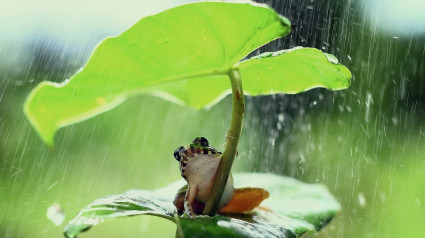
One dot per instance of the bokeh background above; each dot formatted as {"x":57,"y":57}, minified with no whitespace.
{"x":366,"y":144}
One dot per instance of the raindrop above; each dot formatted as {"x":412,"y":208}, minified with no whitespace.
{"x":348,"y":108}
{"x":395,"y":120}
{"x":368,"y":103}
{"x":362,"y":199}
{"x":280,"y":117}
{"x":18,"y":82}
{"x":382,"y":196}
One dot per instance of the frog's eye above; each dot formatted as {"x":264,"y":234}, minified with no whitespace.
{"x":177,"y":152}
{"x":202,"y":141}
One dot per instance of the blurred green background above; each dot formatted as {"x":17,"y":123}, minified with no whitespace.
{"x":367,"y":143}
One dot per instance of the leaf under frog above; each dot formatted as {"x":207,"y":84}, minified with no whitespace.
{"x":130,"y":203}
{"x":292,"y":209}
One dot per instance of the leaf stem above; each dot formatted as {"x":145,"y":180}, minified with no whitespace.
{"x":232,"y":140}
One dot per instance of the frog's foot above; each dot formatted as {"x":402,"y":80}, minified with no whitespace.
{"x":189,"y":199}
{"x":197,"y":206}
{"x":245,"y":199}
{"x":188,"y":209}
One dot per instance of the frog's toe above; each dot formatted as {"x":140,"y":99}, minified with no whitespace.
{"x":245,"y":199}
{"x":194,"y":209}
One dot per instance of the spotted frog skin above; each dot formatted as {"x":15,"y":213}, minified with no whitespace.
{"x":198,"y":165}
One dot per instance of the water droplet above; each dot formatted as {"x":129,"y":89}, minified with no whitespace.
{"x":281,"y":117}
{"x":362,"y":199}
{"x":56,"y":214}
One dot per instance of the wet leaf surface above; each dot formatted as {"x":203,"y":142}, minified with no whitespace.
{"x":292,"y":209}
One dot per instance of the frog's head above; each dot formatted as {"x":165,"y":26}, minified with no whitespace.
{"x":197,"y":159}
{"x":198,"y":144}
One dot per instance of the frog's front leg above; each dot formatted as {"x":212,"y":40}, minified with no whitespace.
{"x":189,"y":199}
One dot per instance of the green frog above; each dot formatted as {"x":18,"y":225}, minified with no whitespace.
{"x":198,"y":165}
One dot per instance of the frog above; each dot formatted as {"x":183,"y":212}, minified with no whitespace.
{"x":198,"y":164}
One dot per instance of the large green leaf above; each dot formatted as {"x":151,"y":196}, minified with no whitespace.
{"x":293,"y":71}
{"x":293,"y":209}
{"x":286,"y":71}
{"x":189,"y":41}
